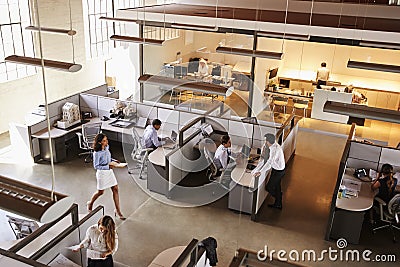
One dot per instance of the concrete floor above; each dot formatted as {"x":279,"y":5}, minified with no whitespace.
{"x":153,"y":226}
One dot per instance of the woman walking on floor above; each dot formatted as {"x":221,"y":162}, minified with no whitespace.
{"x":104,"y":173}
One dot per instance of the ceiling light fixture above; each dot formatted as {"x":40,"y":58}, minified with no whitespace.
{"x":138,"y":40}
{"x":51,"y":30}
{"x":200,"y":87}
{"x":37,"y":62}
{"x":290,"y":36}
{"x":120,"y":19}
{"x":373,"y":66}
{"x":194,"y":27}
{"x":249,"y":52}
{"x":362,"y":111}
{"x":32,"y":202}
{"x":380,"y":45}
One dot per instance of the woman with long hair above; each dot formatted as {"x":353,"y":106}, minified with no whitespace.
{"x":385,"y":183}
{"x":104,"y":173}
{"x":102,"y":242}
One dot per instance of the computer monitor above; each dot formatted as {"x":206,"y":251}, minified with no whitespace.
{"x":174,"y":136}
{"x":207,"y":130}
{"x":180,"y":71}
{"x":193,"y":66}
{"x":273,"y":73}
{"x":246,"y":150}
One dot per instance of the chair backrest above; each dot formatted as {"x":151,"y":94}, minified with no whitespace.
{"x":89,"y":132}
{"x":210,"y":160}
{"x":300,"y":101}
{"x":394,"y":205}
{"x":280,"y":98}
{"x":137,"y":145}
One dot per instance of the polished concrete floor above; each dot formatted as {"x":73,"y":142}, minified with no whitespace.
{"x":153,"y":225}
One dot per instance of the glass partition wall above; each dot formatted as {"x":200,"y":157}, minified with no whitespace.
{"x":192,"y":57}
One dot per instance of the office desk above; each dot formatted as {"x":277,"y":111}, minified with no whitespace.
{"x":61,"y":137}
{"x":157,"y":180}
{"x":349,"y":213}
{"x":244,"y":196}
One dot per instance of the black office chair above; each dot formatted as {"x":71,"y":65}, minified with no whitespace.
{"x":86,"y":138}
{"x":22,"y":227}
{"x":389,"y":214}
{"x":217,"y":175}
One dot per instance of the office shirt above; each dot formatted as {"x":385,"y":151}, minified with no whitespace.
{"x":150,"y":137}
{"x":94,"y":240}
{"x":102,"y":159}
{"x":276,"y":160}
{"x":221,"y":157}
{"x":323,"y":74}
{"x":203,"y":70}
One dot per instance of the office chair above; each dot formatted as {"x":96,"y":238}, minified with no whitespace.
{"x":219,"y":176}
{"x":22,"y":227}
{"x":139,"y":153}
{"x":390,"y":216}
{"x":279,"y":101}
{"x":86,"y":138}
{"x":300,"y":104}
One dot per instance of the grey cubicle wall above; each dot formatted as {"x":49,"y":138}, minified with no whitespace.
{"x":70,"y":238}
{"x":371,"y":156}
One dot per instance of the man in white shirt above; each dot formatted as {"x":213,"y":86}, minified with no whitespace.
{"x":203,"y":67}
{"x":221,"y":157}
{"x":322,"y":74}
{"x":150,"y":137}
{"x":275,"y":161}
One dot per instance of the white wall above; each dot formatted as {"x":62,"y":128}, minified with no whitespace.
{"x":20,"y":96}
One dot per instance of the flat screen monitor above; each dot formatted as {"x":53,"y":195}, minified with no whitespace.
{"x":207,"y":130}
{"x":246,"y":150}
{"x":273,"y":73}
{"x":193,"y":66}
{"x":180,"y":71}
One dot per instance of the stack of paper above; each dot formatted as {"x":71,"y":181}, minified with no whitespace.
{"x":352,"y":184}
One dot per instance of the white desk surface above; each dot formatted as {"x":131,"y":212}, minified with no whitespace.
{"x":55,"y":132}
{"x":363,"y":202}
{"x":157,"y":157}
{"x":242,"y":176}
{"x":168,"y":256}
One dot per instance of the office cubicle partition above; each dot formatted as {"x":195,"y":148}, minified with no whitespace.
{"x":51,"y":239}
{"x":342,"y":167}
{"x":358,"y":154}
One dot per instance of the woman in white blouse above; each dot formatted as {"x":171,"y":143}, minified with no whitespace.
{"x":101,"y":242}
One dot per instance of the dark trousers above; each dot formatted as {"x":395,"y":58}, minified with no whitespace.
{"x":107,"y":262}
{"x":274,"y":185}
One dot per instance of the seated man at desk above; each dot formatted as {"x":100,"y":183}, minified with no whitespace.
{"x":221,"y":157}
{"x":203,"y":67}
{"x":150,"y":137}
{"x":276,"y":161}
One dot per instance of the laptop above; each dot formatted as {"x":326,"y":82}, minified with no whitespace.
{"x":170,"y":141}
{"x":246,"y":150}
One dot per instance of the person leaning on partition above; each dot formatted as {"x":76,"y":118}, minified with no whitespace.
{"x":150,"y":137}
{"x":101,"y":240}
{"x":276,"y":161}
